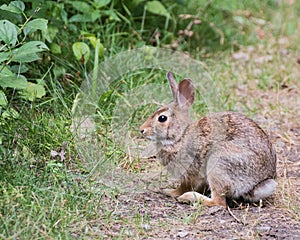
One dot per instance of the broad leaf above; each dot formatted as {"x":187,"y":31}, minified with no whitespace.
{"x":92,"y":39}
{"x":14,"y":7}
{"x":28,"y":52}
{"x":8,"y":32}
{"x":81,"y":18}
{"x":95,"y":15}
{"x":25,"y":58}
{"x":35,"y":24}
{"x":3,"y":99}
{"x":101,"y":3}
{"x":157,"y":8}
{"x":20,"y":68}
{"x":81,"y":6}
{"x":112,"y":15}
{"x":13,"y":81}
{"x":33,"y":91}
{"x":50,"y":33}
{"x":95,"y":41}
{"x":4,"y":56}
{"x":81,"y":51}
{"x":5,"y":71}
{"x":55,"y":48}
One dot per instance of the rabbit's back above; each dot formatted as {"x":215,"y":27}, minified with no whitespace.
{"x":240,"y":153}
{"x":235,"y":129}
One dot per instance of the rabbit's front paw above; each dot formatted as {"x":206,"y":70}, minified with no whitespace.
{"x":190,"y":197}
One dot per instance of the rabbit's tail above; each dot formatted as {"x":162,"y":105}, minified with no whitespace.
{"x":261,"y":191}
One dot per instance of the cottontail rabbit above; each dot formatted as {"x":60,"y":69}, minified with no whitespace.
{"x":225,"y":152}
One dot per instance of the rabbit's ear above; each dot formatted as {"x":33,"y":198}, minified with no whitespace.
{"x":186,"y":93}
{"x":173,"y":85}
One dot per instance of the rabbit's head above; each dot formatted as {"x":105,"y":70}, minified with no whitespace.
{"x":168,"y":123}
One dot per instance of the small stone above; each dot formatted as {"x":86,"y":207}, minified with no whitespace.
{"x":146,"y":226}
{"x":263,"y":229}
{"x":128,"y":232}
{"x":241,"y":56}
{"x":182,"y":233}
{"x":263,"y":59}
{"x":283,"y":41}
{"x":250,"y":49}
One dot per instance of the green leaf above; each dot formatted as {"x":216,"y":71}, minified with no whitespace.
{"x":14,"y":7}
{"x":157,"y":8}
{"x":136,"y":2}
{"x":81,"y":18}
{"x":8,"y":32}
{"x":101,"y":3}
{"x":101,"y":50}
{"x":50,"y":33}
{"x":86,"y":34}
{"x":25,"y":58}
{"x":33,"y":91}
{"x":81,"y":6}
{"x":9,"y":114}
{"x":4,"y":56}
{"x":27,"y":52}
{"x":3,"y":99}
{"x":92,"y":39}
{"x":5,"y":71}
{"x":55,"y":48}
{"x":35,"y":24}
{"x":13,"y":81}
{"x":20,"y":68}
{"x":81,"y":51}
{"x":95,"y":15}
{"x":95,"y":41}
{"x":112,"y":15}
{"x":92,"y":16}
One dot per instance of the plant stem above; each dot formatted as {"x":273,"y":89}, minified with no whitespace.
{"x":95,"y":69}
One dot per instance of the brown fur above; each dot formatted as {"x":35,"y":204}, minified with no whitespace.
{"x":226,"y":151}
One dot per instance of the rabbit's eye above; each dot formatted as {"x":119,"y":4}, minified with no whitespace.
{"x":162,"y":118}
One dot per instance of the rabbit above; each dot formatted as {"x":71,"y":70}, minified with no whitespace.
{"x":225,"y":152}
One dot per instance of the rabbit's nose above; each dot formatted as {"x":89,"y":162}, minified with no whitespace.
{"x":143,"y":130}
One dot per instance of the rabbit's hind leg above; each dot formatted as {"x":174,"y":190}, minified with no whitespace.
{"x":171,"y":192}
{"x":182,"y":188}
{"x":188,"y":184}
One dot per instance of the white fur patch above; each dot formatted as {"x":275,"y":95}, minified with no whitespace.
{"x":265,"y":190}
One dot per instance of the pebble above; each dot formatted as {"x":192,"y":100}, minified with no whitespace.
{"x":263,"y":229}
{"x":146,"y":226}
{"x":182,"y":233}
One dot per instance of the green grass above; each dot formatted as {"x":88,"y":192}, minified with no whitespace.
{"x":46,"y":206}
{"x":44,"y":197}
